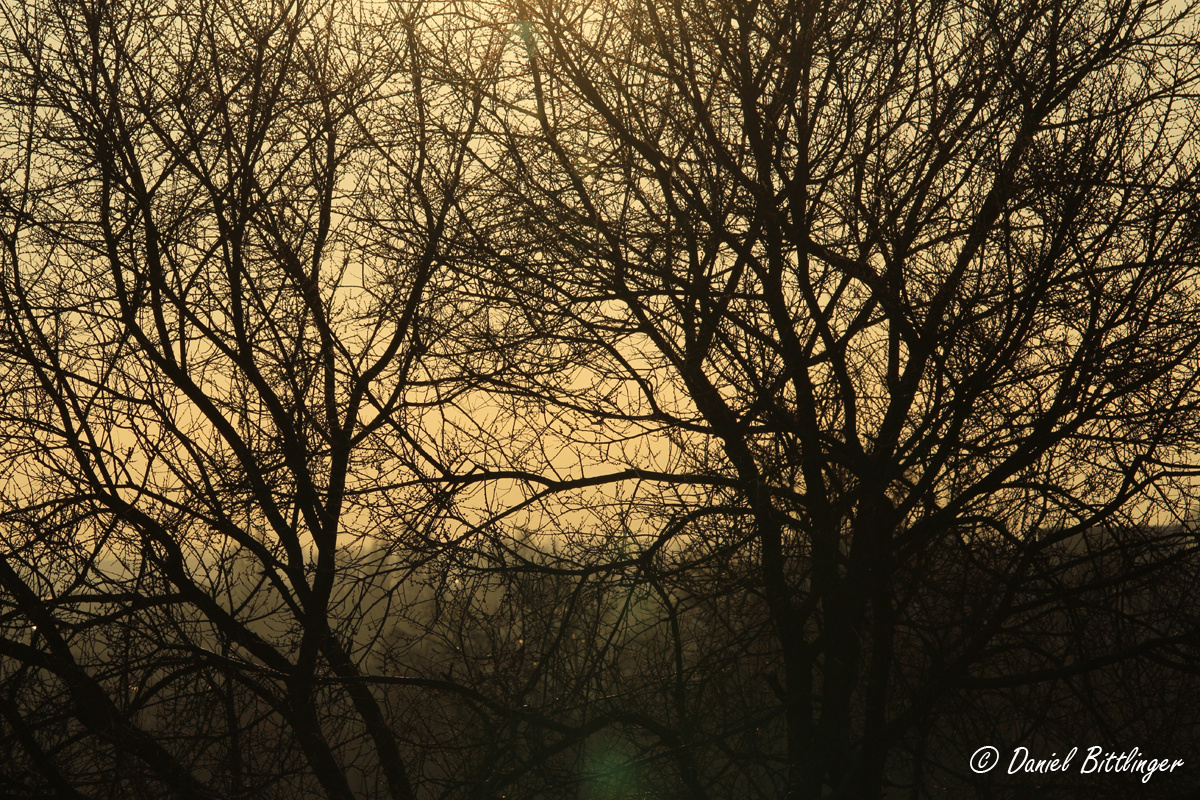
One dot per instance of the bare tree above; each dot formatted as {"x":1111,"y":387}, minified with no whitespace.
{"x":222,"y":225}
{"x":901,"y":304}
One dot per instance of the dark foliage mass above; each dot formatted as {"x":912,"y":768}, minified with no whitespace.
{"x":605,"y":400}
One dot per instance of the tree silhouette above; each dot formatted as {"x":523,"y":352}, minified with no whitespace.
{"x":221,"y":224}
{"x":910,"y":293}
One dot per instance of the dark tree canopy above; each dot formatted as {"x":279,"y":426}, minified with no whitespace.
{"x":611,"y":400}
